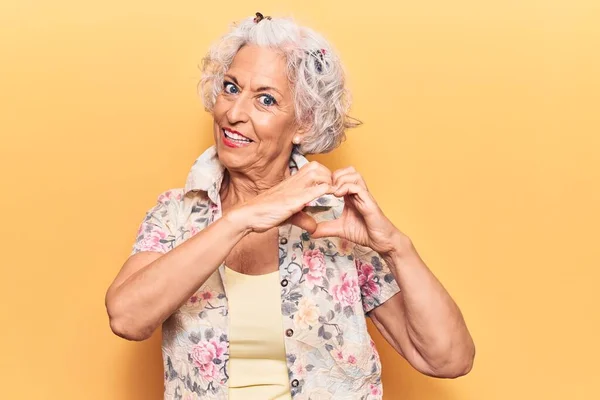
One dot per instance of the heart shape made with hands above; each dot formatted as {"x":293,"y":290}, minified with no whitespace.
{"x":361,"y":222}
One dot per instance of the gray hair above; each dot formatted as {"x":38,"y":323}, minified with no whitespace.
{"x":321,"y":98}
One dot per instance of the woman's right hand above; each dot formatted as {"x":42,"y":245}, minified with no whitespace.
{"x":285,"y":201}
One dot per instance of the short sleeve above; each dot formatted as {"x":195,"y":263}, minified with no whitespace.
{"x":376,"y":281}
{"x":157,"y":232}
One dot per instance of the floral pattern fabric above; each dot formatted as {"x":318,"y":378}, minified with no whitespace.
{"x":328,"y":286}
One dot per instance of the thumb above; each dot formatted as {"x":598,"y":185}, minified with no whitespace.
{"x":328,"y":228}
{"x":304,"y":221}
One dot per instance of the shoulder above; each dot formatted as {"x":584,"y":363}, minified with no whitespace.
{"x":178,"y":198}
{"x":167,"y":206}
{"x":170,"y":199}
{"x":171,"y":196}
{"x":157,"y":232}
{"x":185,"y":208}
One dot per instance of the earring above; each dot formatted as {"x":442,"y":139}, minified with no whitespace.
{"x":296,"y":140}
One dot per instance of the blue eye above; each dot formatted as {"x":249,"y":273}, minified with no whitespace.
{"x":230,"y":88}
{"x":267,"y":100}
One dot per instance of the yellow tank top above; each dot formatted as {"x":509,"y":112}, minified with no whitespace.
{"x":257,"y":365}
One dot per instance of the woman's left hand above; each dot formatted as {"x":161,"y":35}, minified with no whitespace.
{"x":362,"y":221}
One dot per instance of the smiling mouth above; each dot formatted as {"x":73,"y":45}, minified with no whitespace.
{"x":236,"y":137}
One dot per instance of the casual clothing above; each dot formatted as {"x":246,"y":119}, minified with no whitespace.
{"x":326,"y":285}
{"x":257,"y":363}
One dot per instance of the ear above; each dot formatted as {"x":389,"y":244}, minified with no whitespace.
{"x":302,"y":132}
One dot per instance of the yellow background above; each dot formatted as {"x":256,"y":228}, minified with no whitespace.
{"x":481,"y":142}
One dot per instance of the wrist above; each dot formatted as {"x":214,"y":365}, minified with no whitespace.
{"x":238,"y":218}
{"x":401,"y":246}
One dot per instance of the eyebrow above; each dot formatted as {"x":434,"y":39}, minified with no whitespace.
{"x":260,"y":89}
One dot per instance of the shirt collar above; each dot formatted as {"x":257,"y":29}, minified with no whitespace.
{"x":207,"y":175}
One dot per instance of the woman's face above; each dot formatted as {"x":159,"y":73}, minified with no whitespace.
{"x":254,"y":119}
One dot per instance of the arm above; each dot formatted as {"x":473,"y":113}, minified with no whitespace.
{"x":422,"y":322}
{"x":152,"y":285}
{"x":413,"y":311}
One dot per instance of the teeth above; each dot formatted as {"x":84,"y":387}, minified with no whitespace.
{"x":236,"y":137}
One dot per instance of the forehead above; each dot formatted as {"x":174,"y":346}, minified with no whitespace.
{"x":259,"y":66}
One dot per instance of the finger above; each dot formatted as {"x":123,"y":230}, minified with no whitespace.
{"x":315,"y":173}
{"x":314,"y":192}
{"x":321,"y":177}
{"x":342,"y":171}
{"x":360,"y":198}
{"x":314,"y":165}
{"x":328,"y":228}
{"x":304,"y":221}
{"x":353,"y":177}
{"x":349,"y":188}
{"x":315,"y":177}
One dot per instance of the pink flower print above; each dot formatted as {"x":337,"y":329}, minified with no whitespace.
{"x":338,"y":354}
{"x":169,"y":195}
{"x":299,"y":369}
{"x":199,"y":299}
{"x":208,"y":295}
{"x":315,"y":261}
{"x":203,"y":355}
{"x":366,"y":281}
{"x":164,"y":196}
{"x":348,"y":292}
{"x":194,"y":300}
{"x":351,"y":359}
{"x":375,"y":390}
{"x":151,"y":240}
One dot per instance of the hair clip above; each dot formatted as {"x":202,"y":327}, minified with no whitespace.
{"x":259,"y":17}
{"x":319,"y":59}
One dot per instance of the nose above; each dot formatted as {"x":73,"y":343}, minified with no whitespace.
{"x":237,"y":111}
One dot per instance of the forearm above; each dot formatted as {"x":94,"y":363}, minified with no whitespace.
{"x":141,"y":303}
{"x":433,"y":321}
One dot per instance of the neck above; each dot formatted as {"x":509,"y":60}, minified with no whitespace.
{"x":238,"y":187}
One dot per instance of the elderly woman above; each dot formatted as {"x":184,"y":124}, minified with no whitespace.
{"x":262,"y":269}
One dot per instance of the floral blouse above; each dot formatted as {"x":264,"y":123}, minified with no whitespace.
{"x":328,"y":285}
